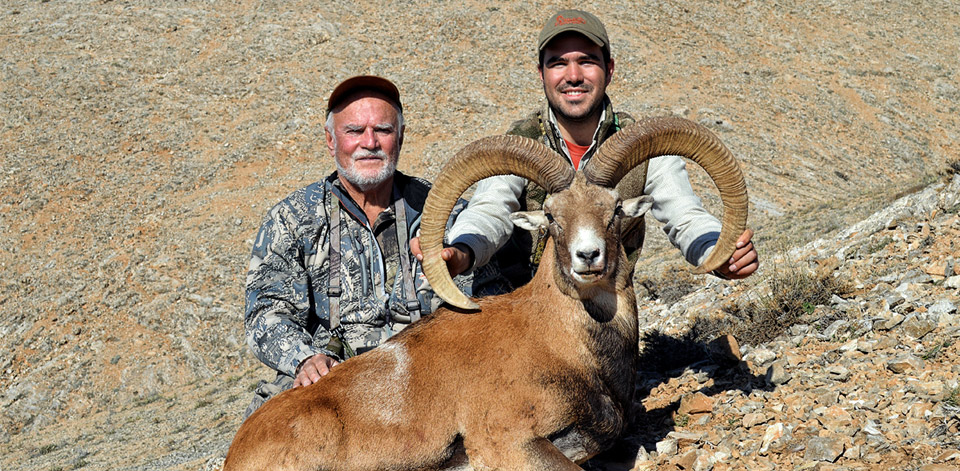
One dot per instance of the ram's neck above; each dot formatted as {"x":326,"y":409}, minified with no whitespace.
{"x":611,"y":303}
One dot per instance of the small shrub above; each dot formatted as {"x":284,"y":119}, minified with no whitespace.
{"x":875,"y":247}
{"x":953,"y":167}
{"x":46,"y":449}
{"x":935,"y":350}
{"x":952,"y":397}
{"x":203,"y":403}
{"x":142,"y":401}
{"x":669,"y":287}
{"x":794,"y":294}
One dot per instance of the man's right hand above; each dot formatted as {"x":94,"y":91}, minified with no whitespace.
{"x":313,"y":368}
{"x":458,"y":256}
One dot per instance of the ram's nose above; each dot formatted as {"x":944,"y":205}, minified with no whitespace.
{"x":589,"y":256}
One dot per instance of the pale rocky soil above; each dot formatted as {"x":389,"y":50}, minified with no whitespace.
{"x":142,"y":142}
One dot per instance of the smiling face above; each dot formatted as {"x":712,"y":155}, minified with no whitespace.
{"x":575,"y":77}
{"x":364,"y":136}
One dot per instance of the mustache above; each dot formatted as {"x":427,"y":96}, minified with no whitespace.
{"x":365,"y":153}
{"x":579,"y":86}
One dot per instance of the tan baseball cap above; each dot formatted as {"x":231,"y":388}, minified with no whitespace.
{"x":363,"y":82}
{"x":576,"y":21}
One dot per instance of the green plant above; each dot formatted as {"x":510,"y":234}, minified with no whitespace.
{"x":147,"y":400}
{"x":874,"y":247}
{"x":935,"y":350}
{"x":952,"y":397}
{"x":46,"y":449}
{"x":682,"y":420}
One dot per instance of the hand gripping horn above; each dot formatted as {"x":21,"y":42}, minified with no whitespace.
{"x":654,"y":137}
{"x":486,"y":157}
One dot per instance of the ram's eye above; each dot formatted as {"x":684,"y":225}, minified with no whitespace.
{"x":549,"y":218}
{"x":617,"y":213}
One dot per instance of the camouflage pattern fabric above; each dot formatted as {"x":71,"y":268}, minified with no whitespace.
{"x":286,"y":317}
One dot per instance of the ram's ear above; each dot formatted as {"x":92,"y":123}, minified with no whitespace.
{"x":636,"y":207}
{"x":529,"y":220}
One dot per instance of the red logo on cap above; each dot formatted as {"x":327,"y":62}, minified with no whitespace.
{"x":566,"y":21}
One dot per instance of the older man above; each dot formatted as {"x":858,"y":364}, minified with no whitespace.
{"x":331,"y":273}
{"x":575,"y":67}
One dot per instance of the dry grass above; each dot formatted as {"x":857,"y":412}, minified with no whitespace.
{"x":674,"y":282}
{"x":794,"y":293}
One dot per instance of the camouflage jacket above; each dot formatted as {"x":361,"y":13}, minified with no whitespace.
{"x":287,"y":306}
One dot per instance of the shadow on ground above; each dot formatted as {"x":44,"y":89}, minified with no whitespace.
{"x":664,"y":358}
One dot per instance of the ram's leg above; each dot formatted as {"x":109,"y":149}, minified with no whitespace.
{"x":543,"y":455}
{"x":537,"y":454}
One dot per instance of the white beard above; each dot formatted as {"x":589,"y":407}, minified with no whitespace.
{"x":367,"y":182}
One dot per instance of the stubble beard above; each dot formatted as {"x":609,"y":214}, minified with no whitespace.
{"x":558,"y":107}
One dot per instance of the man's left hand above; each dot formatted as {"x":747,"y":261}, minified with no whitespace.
{"x":744,"y":261}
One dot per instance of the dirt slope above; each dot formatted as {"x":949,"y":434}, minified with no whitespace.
{"x":142,"y":142}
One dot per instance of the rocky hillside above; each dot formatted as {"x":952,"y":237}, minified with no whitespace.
{"x":142,"y":142}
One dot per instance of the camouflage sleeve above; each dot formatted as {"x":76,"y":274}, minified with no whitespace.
{"x":277,"y":313}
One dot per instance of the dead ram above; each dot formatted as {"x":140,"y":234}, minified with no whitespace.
{"x":538,"y":379}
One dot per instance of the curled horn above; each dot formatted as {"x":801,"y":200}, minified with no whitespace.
{"x":654,"y":137}
{"x":496,"y":155}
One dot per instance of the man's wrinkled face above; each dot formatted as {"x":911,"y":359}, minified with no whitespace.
{"x":574,"y":76}
{"x":365,"y":139}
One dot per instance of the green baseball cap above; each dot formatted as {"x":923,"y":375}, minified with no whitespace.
{"x":363,"y":82}
{"x":576,"y":21}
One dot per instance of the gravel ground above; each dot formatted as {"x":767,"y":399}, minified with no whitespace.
{"x":142,"y":142}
